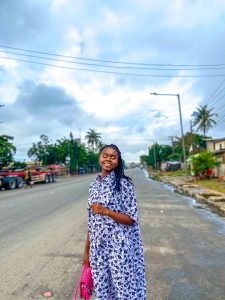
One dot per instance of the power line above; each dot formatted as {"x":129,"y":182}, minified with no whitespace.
{"x":221,"y":117}
{"x":113,"y":72}
{"x":111,"y":61}
{"x":220,"y":109}
{"x":221,"y":123}
{"x":117,"y":67}
{"x":214,"y":96}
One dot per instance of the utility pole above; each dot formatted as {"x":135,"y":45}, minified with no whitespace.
{"x":172,"y":142}
{"x":154,"y":146}
{"x":192,"y":147}
{"x":181,"y":127}
{"x":182,"y":136}
{"x":1,"y":105}
{"x":68,"y":159}
{"x":80,"y":135}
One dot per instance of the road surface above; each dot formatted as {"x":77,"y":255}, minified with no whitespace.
{"x":42,"y":233}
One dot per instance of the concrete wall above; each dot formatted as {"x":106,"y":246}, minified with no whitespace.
{"x":219,"y":145}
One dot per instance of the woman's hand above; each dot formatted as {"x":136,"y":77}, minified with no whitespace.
{"x":99,"y":209}
{"x":118,"y":217}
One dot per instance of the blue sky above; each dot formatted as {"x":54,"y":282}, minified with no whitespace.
{"x":147,"y":35}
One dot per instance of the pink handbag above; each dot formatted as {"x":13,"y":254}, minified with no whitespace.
{"x":85,"y":284}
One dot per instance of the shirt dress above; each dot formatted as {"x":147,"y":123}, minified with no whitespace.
{"x":116,"y":253}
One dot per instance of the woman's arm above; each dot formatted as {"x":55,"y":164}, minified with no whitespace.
{"x":118,"y":217}
{"x":86,"y":250}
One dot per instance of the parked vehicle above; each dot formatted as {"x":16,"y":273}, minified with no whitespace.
{"x":173,"y":165}
{"x":10,"y":180}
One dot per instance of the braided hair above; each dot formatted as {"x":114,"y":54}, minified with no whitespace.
{"x":119,"y":170}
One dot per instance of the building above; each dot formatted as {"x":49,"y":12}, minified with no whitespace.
{"x":217,"y":146}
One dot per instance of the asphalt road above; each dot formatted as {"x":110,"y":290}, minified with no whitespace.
{"x":42,"y":233}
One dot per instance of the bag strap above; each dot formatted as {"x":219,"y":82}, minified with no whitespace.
{"x":76,"y":290}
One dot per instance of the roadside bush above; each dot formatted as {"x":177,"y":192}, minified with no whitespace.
{"x":202,"y":162}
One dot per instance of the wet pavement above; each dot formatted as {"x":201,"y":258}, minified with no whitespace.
{"x":213,"y":199}
{"x":184,"y":245}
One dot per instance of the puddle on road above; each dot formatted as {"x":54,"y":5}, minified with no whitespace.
{"x":147,"y":175}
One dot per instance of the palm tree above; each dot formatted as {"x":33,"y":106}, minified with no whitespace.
{"x":93,"y":138}
{"x":203,"y":118}
{"x":100,"y":145}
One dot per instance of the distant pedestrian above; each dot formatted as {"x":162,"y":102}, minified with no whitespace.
{"x":28,"y":178}
{"x":113,"y":247}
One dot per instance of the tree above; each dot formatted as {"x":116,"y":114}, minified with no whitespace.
{"x":7,"y":150}
{"x":92,"y":161}
{"x":100,"y":145}
{"x":93,"y":138}
{"x":74,"y":152}
{"x":157,"y":154}
{"x":164,"y":152}
{"x":19,"y":165}
{"x":193,"y":143}
{"x":53,"y":153}
{"x":203,"y":118}
{"x":144,"y":160}
{"x":43,"y":151}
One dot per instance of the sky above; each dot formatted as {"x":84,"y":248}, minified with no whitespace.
{"x":70,"y":66}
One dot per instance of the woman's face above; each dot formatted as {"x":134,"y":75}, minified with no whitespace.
{"x":108,"y":160}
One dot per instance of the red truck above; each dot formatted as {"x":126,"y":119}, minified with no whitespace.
{"x":10,"y":180}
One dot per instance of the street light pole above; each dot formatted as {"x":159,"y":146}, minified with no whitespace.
{"x":155,"y":156}
{"x":1,"y":105}
{"x":181,"y":128}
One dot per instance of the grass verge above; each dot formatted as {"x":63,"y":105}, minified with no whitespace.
{"x":212,"y":184}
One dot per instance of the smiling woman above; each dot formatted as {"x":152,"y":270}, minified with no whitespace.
{"x":108,"y":160}
{"x":113,"y":247}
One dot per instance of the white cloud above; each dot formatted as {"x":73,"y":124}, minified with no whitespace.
{"x":8,"y":64}
{"x":58,"y":5}
{"x":118,"y":106}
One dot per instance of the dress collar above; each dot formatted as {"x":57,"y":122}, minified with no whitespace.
{"x":108,"y":178}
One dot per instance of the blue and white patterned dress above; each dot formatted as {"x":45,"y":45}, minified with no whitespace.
{"x":116,"y":253}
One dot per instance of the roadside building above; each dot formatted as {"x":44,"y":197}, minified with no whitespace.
{"x":217,"y":146}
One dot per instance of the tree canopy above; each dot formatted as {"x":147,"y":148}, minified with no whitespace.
{"x":93,"y":138}
{"x":69,"y":151}
{"x":7,"y":150}
{"x":156,"y":155}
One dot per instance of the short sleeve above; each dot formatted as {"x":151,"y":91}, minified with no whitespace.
{"x":129,"y":200}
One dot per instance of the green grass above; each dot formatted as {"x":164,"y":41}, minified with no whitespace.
{"x":212,"y":184}
{"x":174,"y":173}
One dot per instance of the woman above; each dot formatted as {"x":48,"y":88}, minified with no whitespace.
{"x":113,"y":242}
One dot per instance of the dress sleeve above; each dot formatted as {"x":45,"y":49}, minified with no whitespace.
{"x":129,"y":200}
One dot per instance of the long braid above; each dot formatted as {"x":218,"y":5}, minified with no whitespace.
{"x":119,"y":170}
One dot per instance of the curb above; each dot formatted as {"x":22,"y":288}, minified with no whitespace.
{"x":215,"y":200}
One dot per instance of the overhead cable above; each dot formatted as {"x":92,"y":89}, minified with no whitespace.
{"x":114,"y":72}
{"x":112,"y":66}
{"x":113,"y":61}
